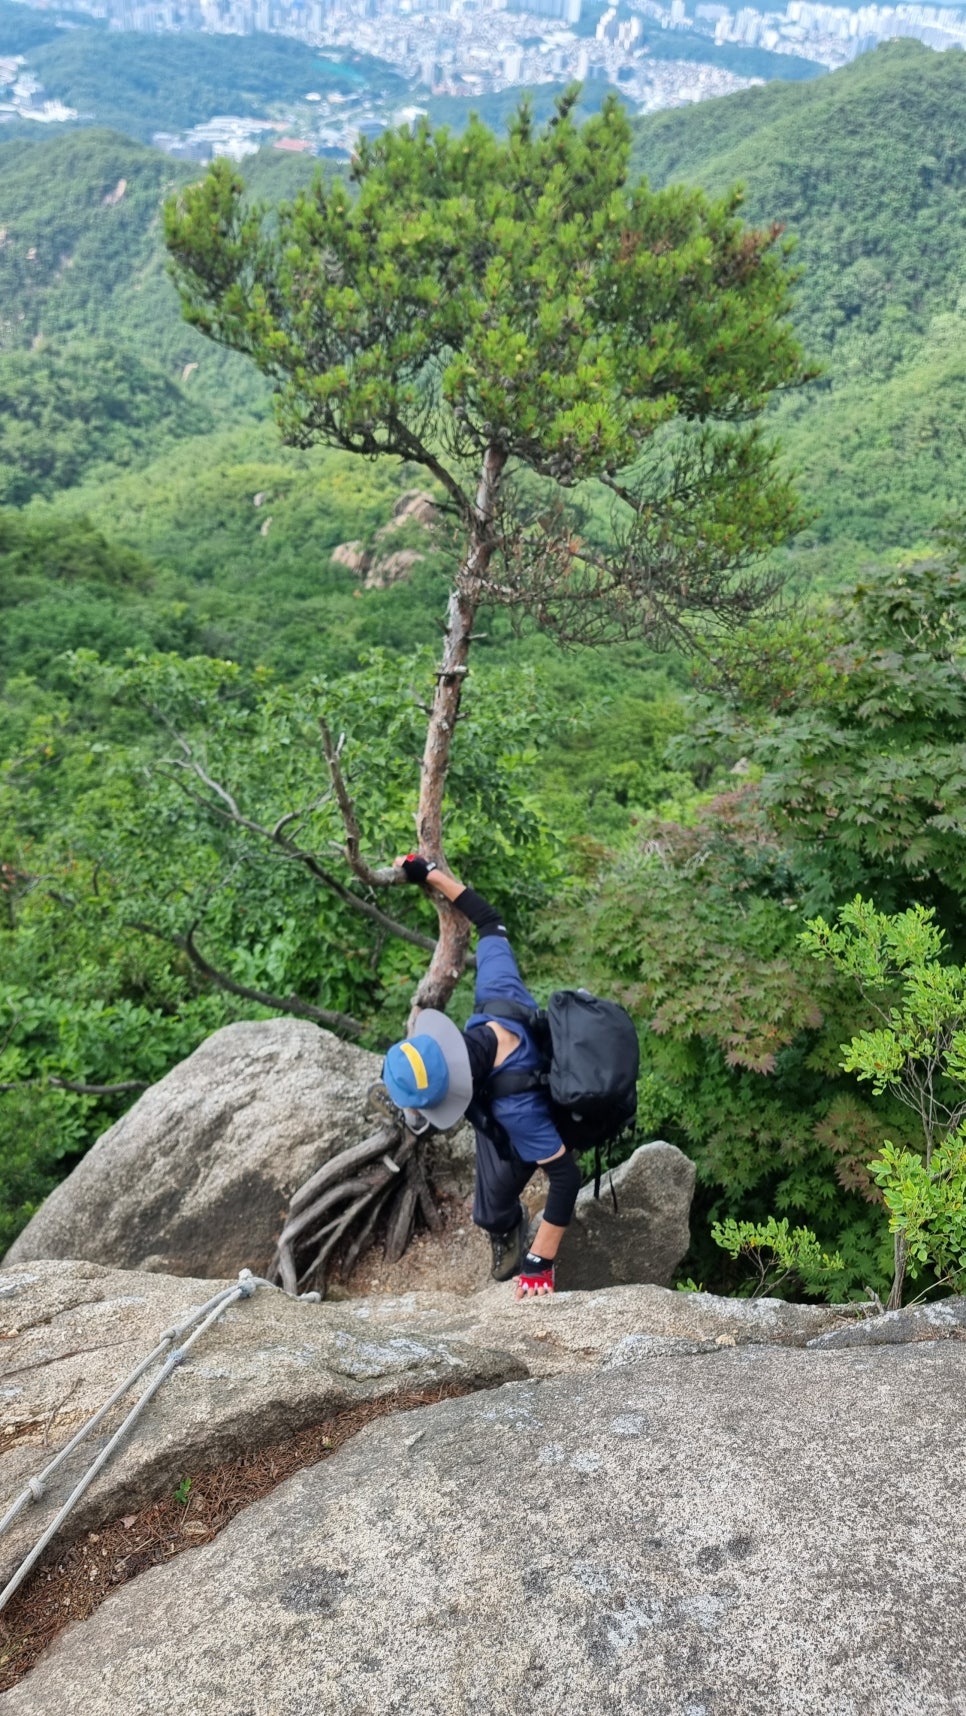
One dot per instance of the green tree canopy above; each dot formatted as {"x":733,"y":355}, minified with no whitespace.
{"x":480,"y":306}
{"x":857,"y":720}
{"x":845,"y":727}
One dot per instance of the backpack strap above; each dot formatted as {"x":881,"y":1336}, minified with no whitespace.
{"x":503,"y":1008}
{"x":481,"y":1116}
{"x":512,"y":1083}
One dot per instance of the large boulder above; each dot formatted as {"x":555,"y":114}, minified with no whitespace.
{"x":637,"y":1229}
{"x":197,"y":1176}
{"x":195,"y":1179}
{"x":760,"y":1529}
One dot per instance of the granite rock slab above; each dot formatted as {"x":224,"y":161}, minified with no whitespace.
{"x":70,"y":1332}
{"x":759,"y":1530}
{"x":942,"y":1319}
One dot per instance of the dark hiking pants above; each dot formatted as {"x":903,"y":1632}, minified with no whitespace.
{"x":500,"y":1178}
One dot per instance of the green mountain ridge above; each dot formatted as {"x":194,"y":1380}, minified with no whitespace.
{"x":865,"y":168}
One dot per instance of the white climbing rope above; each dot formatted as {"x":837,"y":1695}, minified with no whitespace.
{"x":201,"y":1315}
{"x":35,"y":1487}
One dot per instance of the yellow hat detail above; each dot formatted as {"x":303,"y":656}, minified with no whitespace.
{"x":418,"y":1065}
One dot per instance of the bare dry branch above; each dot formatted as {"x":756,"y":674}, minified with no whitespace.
{"x":363,"y":1186}
{"x":364,"y":1236}
{"x":401,"y":1222}
{"x":352,"y":851}
{"x":79,"y":1089}
{"x":385,"y":1178}
{"x":355,"y":1157}
{"x":427,"y":1205}
{"x":339,"y":1229}
{"x":283,"y":1270}
{"x":309,"y":860}
{"x":329,"y":1200}
{"x":333,"y":1020}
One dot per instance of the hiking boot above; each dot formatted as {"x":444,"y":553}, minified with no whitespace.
{"x":380,"y":1106}
{"x":510,"y":1248}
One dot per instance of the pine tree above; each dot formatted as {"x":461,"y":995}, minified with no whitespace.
{"x":576,"y":360}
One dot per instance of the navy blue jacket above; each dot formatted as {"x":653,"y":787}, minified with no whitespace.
{"x":525,"y":1116}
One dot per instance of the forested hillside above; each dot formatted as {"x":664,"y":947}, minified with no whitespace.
{"x":867,"y":171}
{"x":81,"y":254}
{"x":133,"y":84}
{"x":666,"y":822}
{"x":65,"y":409}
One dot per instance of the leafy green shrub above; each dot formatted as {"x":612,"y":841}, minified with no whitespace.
{"x":696,"y":930}
{"x":917,"y":1052}
{"x":780,"y":1255}
{"x":918,"y":1048}
{"x":927,"y":1211}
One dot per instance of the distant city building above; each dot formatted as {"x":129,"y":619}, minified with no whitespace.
{"x":568,"y":11}
{"x":622,"y":33}
{"x":474,"y":48}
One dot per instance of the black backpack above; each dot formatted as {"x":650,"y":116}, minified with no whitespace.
{"x":592,"y":1057}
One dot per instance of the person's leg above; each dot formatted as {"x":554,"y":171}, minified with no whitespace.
{"x":496,"y":1204}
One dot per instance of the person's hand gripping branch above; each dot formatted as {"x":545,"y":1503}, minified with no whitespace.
{"x":415,"y":867}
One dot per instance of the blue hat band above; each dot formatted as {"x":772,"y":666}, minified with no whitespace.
{"x":415,"y":1073}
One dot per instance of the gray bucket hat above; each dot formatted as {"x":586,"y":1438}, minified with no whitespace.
{"x":459,"y":1092}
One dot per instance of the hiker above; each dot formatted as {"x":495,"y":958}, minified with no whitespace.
{"x":441,"y":1073}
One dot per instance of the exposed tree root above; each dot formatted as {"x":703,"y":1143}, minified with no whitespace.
{"x":333,"y":1217}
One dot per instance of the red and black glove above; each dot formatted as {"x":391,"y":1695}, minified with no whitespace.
{"x":416,"y":868}
{"x":536,"y":1277}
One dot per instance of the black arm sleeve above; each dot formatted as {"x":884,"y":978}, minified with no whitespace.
{"x":485,"y":917}
{"x":564,"y":1176}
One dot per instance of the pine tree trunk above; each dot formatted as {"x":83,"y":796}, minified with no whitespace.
{"x":449,"y":958}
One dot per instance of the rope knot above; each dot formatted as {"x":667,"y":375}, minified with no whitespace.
{"x":37,"y":1489}
{"x":177,"y":1355}
{"x":246,"y":1284}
